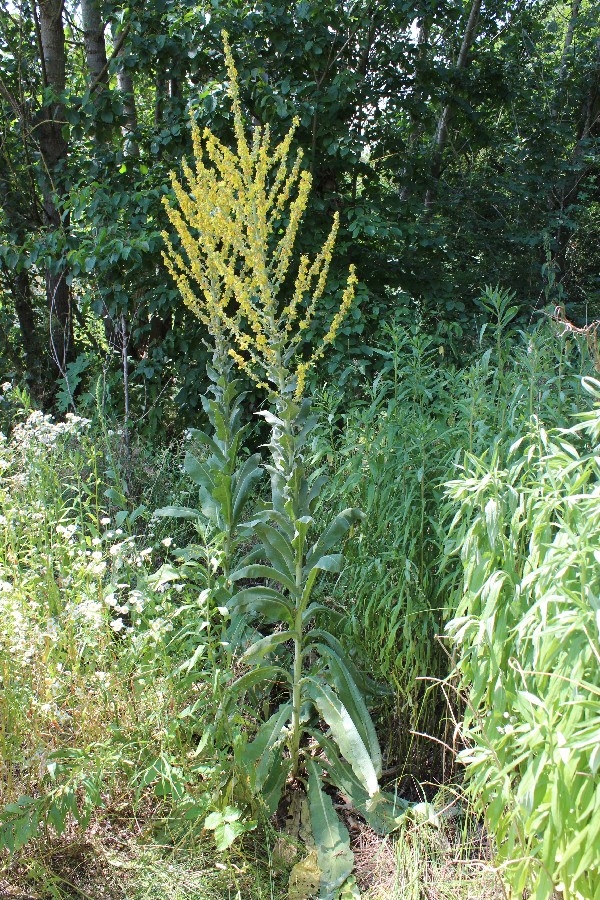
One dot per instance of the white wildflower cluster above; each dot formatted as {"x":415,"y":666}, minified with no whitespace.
{"x":41,"y":429}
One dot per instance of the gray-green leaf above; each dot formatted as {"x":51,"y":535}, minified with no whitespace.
{"x":336,"y":859}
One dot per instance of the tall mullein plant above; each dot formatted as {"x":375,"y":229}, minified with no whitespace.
{"x":237,"y":219}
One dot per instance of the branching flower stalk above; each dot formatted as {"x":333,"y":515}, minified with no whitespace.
{"x":237,"y":220}
{"x":237,"y":216}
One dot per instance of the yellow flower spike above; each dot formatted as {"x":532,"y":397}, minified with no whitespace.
{"x":286,"y":245}
{"x":347,"y":298}
{"x":230,"y":269}
{"x":238,"y":122}
{"x":289,"y":183}
{"x":289,"y":314}
{"x":197,"y":147}
{"x":301,"y":371}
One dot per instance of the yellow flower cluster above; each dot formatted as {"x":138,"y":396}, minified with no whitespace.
{"x":237,"y":219}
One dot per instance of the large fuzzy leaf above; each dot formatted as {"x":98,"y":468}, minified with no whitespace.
{"x":335,"y":857}
{"x":344,"y":732}
{"x":278,"y":548}
{"x":334,"y":617}
{"x":245,"y":478}
{"x":268,"y":572}
{"x":259,"y":649}
{"x":255,"y":676}
{"x":179,"y":512}
{"x":274,"y":784}
{"x":257,"y":757}
{"x":365,"y":685}
{"x":198,"y":472}
{"x":208,"y":442}
{"x":331,"y":563}
{"x":353,"y":701}
{"x":264,"y":601}
{"x":332,"y":535}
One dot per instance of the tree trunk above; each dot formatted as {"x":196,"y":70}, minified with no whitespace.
{"x":95,"y":46}
{"x":53,"y":147}
{"x":125,"y":85}
{"x":566,"y":193}
{"x":159,"y":100}
{"x":441,"y":134}
{"x":568,"y":39}
{"x":32,"y":348}
{"x":417,"y":126}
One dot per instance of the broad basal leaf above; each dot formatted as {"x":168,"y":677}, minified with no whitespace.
{"x":344,"y":732}
{"x":258,"y":756}
{"x":335,"y":857}
{"x":353,"y":701}
{"x":267,"y":602}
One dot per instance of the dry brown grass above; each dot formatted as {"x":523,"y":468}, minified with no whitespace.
{"x":450,"y":861}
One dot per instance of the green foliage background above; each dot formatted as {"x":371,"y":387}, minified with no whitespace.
{"x":514,"y":200}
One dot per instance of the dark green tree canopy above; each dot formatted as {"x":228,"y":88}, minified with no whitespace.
{"x":458,"y":141}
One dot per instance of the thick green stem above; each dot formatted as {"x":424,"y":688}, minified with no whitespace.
{"x":291,"y":469}
{"x":296,"y":694}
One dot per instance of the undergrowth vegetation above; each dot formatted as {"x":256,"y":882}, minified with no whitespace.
{"x":480,"y":522}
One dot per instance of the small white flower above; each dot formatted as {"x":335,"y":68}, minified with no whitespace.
{"x":117,"y":624}
{"x":105,"y":520}
{"x":166,"y":542}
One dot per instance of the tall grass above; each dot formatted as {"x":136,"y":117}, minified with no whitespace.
{"x":526,"y":628}
{"x":392,"y":451}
